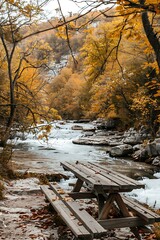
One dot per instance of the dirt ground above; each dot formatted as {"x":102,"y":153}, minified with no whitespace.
{"x":24,"y":214}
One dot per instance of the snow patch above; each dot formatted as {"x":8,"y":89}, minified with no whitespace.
{"x":14,"y":210}
{"x":28,"y":183}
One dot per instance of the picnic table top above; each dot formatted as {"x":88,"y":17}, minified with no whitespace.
{"x":102,"y":177}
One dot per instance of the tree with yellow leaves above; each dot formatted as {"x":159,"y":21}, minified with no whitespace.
{"x":64,"y":93}
{"x":23,"y":61}
{"x":111,"y":91}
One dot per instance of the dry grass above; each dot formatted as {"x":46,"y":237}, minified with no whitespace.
{"x":6,"y":170}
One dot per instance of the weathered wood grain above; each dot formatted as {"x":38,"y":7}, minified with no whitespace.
{"x":102,"y":179}
{"x":78,"y":211}
{"x":115,"y":176}
{"x":122,"y":222}
{"x":145,"y":214}
{"x":72,"y":222}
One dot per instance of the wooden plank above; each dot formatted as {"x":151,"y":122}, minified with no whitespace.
{"x":125,"y":185}
{"x":81,"y":173}
{"x":126,"y":213}
{"x":103,"y":183}
{"x":78,"y":174}
{"x":99,"y":178}
{"x":113,"y":177}
{"x":90,"y":177}
{"x":88,"y":221}
{"x":76,"y":227}
{"x":141,"y":211}
{"x":122,"y":222}
{"x":118,"y":175}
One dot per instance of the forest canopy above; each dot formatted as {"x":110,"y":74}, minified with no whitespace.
{"x":101,"y":62}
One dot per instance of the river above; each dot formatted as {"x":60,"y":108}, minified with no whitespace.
{"x":42,"y":156}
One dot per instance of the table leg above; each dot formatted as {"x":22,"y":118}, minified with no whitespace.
{"x":126,"y":213}
{"x":121,"y":205}
{"x":78,"y":185}
{"x":105,"y":208}
{"x":101,"y":199}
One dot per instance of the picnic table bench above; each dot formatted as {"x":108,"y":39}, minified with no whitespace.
{"x":105,"y":187}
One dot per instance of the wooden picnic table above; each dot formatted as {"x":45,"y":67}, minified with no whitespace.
{"x":101,"y":182}
{"x":106,"y":187}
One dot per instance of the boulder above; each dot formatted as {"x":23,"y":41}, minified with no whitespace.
{"x":89,"y":129}
{"x":140,"y":155}
{"x":130,"y":132}
{"x":157,"y":140}
{"x":115,"y":142}
{"x":76,"y":127}
{"x":121,"y":151}
{"x":136,"y":147}
{"x":153,"y":148}
{"x":133,"y":139}
{"x":148,"y":152}
{"x":88,"y":134}
{"x":156,"y":161}
{"x":144,"y":132}
{"x":158,"y":148}
{"x":91,"y":141}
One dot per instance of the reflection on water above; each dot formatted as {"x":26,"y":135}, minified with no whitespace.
{"x":40,"y":156}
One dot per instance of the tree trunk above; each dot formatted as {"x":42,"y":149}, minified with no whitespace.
{"x":151,"y":35}
{"x":12,"y":111}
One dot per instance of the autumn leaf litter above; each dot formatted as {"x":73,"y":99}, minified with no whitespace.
{"x":24,"y":214}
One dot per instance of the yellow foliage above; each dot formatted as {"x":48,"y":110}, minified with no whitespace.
{"x":65,"y":31}
{"x":143,"y":104}
{"x":111,"y":113}
{"x":64,"y":93}
{"x":44,"y":132}
{"x":157,"y":95}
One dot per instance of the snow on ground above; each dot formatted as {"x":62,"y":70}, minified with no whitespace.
{"x":151,"y":194}
{"x":26,"y":184}
{"x":24,"y":214}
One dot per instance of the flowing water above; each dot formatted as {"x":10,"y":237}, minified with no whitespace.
{"x":45,"y":156}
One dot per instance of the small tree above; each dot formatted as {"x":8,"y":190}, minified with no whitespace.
{"x":22,"y":61}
